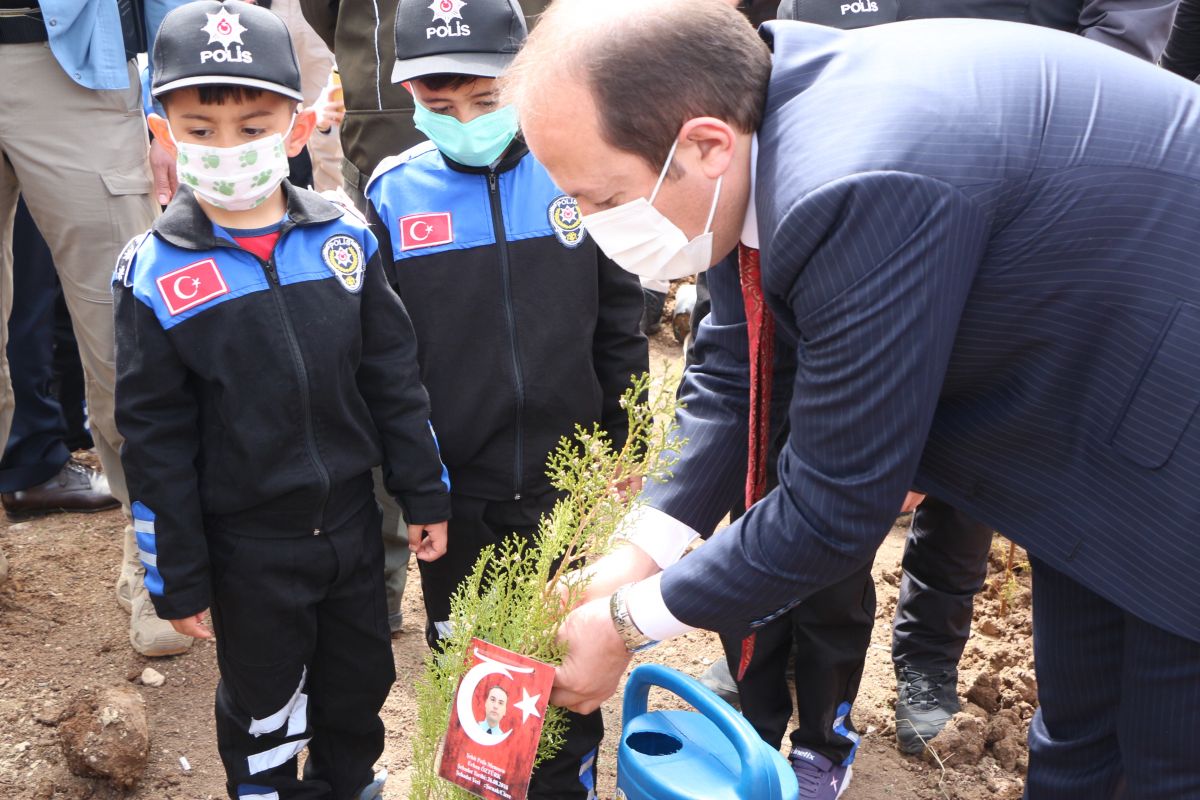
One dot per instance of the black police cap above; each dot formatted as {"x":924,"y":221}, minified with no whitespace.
{"x":844,"y":14}
{"x":207,"y":43}
{"x":465,"y":37}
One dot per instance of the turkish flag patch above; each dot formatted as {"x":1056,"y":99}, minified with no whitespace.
{"x":188,"y":287}
{"x":426,"y":230}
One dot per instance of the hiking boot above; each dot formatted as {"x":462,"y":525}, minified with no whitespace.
{"x":652,"y":311}
{"x":149,"y":635}
{"x":374,"y":789}
{"x":131,"y":570}
{"x":819,"y":778}
{"x":718,"y":679}
{"x":926,"y":700}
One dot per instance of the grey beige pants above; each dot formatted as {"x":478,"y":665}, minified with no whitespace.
{"x":78,"y":156}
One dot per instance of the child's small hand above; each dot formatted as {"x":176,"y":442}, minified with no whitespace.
{"x":192,"y":626}
{"x":428,"y":542}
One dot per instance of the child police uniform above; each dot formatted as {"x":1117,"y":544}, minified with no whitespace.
{"x":255,"y":395}
{"x":525,"y":329}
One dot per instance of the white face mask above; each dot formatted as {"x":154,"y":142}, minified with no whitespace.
{"x":643,"y":241}
{"x":234,"y":178}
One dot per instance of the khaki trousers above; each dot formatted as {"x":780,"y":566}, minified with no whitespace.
{"x":315,"y":60}
{"x":79,"y":158}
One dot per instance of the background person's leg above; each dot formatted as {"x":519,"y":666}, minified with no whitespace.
{"x":395,"y":552}
{"x":944,"y":566}
{"x":35,"y":451}
{"x":81,"y":159}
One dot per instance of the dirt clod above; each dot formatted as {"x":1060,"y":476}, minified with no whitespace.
{"x":961,"y":742}
{"x":985,"y":692}
{"x":104,"y":734}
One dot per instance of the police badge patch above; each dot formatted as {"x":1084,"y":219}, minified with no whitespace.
{"x":567,"y":221}
{"x":344,"y":257}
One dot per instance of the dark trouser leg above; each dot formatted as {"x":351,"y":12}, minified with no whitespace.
{"x":571,"y":773}
{"x":945,"y":564}
{"x":395,"y":551}
{"x":467,"y":536}
{"x":35,"y":451}
{"x":831,"y":632}
{"x":353,"y":668}
{"x":1119,"y":699}
{"x":68,"y":384}
{"x":1078,"y":645}
{"x":305,"y":659}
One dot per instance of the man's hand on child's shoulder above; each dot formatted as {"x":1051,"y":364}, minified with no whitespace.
{"x":194,"y":626}
{"x":428,"y":542}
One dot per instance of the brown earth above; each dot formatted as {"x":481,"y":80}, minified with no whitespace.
{"x":61,"y":632}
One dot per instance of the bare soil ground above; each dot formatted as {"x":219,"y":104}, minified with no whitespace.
{"x":61,"y":631}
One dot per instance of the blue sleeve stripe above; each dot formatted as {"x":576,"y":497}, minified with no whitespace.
{"x":141,"y":512}
{"x":445,"y":472}
{"x":154,"y":581}
{"x":147,"y":543}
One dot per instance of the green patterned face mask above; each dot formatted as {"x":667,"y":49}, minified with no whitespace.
{"x":234,"y":178}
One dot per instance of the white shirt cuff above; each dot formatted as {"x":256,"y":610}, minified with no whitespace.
{"x":660,"y":535}
{"x":649,"y":613}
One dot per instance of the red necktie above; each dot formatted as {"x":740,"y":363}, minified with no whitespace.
{"x":760,"y":327}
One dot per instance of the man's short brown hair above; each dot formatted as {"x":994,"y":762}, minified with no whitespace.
{"x":649,"y":67}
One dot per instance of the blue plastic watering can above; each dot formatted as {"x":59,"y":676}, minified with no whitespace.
{"x":711,"y":753}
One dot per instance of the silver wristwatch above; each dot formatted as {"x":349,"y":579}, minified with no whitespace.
{"x":635,"y":641}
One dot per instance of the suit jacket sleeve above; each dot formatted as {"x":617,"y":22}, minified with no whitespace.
{"x":875,"y":270}
{"x":158,"y":415}
{"x":390,"y":381}
{"x":1137,"y":27}
{"x":619,"y":350}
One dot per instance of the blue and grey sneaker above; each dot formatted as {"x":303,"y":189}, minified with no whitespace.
{"x":819,"y":778}
{"x":374,"y":789}
{"x":926,"y":700}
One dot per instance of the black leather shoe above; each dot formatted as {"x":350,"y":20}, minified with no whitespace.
{"x":76,"y":487}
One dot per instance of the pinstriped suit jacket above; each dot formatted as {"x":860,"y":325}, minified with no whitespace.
{"x":981,"y":245}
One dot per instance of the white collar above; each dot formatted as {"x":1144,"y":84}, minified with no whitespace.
{"x":750,"y":226}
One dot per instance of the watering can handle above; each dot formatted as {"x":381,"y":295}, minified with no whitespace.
{"x":756,"y":768}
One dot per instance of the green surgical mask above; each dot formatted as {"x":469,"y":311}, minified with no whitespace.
{"x":477,"y":143}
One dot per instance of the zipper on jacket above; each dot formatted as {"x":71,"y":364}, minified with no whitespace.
{"x":510,"y":316}
{"x":289,"y":330}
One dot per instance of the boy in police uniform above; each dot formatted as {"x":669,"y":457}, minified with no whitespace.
{"x":524,"y":328}
{"x":264,"y":367}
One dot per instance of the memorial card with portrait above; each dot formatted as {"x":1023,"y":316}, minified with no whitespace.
{"x":496,"y":722}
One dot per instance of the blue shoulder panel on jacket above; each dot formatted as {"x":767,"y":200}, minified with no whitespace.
{"x":430,"y":208}
{"x":178,"y":284}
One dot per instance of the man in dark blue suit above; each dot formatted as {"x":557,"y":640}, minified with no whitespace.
{"x":979,"y":248}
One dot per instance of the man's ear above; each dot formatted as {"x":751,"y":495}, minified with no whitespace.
{"x":715,"y":141}
{"x":302,"y":128}
{"x":162,"y":133}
